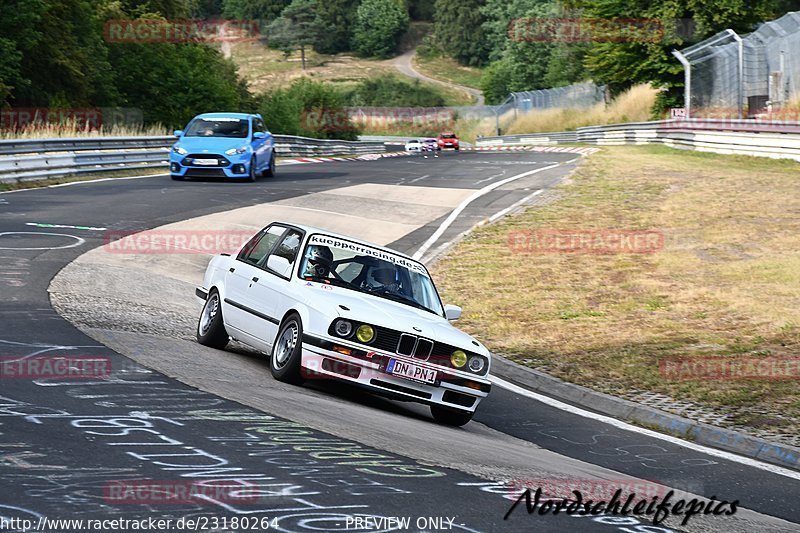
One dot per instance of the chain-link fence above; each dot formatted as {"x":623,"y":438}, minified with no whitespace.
{"x":728,"y":75}
{"x":577,"y":95}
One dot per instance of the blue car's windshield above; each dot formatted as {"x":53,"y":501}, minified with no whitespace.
{"x":218,"y":127}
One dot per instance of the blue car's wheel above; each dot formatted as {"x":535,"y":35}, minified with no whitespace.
{"x":270,"y":171}
{"x":252,"y":175}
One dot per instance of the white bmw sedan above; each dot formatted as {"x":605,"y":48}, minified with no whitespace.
{"x":325,"y":306}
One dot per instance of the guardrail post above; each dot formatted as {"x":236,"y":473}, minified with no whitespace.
{"x":687,"y":80}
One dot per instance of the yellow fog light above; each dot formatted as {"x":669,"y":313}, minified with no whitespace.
{"x":365,"y":333}
{"x":459,"y":359}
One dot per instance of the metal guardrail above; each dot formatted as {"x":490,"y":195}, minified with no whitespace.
{"x":35,"y":159}
{"x":768,"y":138}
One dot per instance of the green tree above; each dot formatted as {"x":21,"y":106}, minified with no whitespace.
{"x":379,"y":26}
{"x":309,"y":109}
{"x":267,"y":10}
{"x":458,"y":27}
{"x":339,"y":19}
{"x":299,"y":27}
{"x":646,"y":56}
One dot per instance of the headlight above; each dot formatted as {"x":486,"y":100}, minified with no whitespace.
{"x":178,"y":150}
{"x":477,"y":364}
{"x":459,"y":358}
{"x":343,"y":328}
{"x":365,"y":333}
{"x":235,"y":151}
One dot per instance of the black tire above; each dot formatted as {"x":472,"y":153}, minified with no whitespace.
{"x":456,"y":148}
{"x":251,"y":177}
{"x":284,"y":362}
{"x":270,"y":172}
{"x":210,"y":327}
{"x":176,"y":177}
{"x":450,"y":417}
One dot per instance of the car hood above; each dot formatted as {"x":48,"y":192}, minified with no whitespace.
{"x":211,"y":145}
{"x":389,"y":314}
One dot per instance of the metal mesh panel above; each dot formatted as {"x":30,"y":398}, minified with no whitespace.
{"x":577,"y":95}
{"x":770,"y":75}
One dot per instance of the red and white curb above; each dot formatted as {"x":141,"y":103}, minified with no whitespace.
{"x":365,"y":157}
{"x":564,"y":149}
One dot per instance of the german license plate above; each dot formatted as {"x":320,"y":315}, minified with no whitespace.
{"x":411,"y":371}
{"x":206,"y":162}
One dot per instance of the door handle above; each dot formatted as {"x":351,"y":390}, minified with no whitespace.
{"x":231,"y":269}
{"x":255,"y":278}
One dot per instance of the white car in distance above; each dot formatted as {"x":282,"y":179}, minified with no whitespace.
{"x":326,"y":306}
{"x":414,"y":145}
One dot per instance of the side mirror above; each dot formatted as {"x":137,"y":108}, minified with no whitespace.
{"x":177,"y":133}
{"x":258,"y":135}
{"x":279,"y":265}
{"x":452,"y":312}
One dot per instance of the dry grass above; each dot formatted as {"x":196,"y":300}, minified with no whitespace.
{"x":631,"y":106}
{"x":448,"y":69}
{"x":71,"y":129}
{"x":727,"y":282}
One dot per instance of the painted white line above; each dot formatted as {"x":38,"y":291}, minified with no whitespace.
{"x":477,"y":194}
{"x":650,"y":433}
{"x":420,"y":178}
{"x":78,"y":240}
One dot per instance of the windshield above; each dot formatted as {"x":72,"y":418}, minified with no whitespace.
{"x":218,"y":127}
{"x":369,"y":270}
{"x":448,"y":136}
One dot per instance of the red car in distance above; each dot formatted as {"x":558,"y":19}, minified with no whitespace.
{"x":447,"y":139}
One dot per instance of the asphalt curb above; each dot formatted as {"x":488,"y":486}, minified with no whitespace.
{"x":650,"y":417}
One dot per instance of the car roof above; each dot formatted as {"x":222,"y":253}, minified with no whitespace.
{"x":311,"y":229}
{"x":226,"y":115}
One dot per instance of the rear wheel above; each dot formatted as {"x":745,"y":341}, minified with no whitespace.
{"x":270,"y":172}
{"x":287,"y":351}
{"x":450,"y":417}
{"x":210,"y":328}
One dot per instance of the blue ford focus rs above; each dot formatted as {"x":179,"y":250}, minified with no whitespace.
{"x":223,"y":145}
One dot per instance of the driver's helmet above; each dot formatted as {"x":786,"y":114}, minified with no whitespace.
{"x":319,"y":261}
{"x":380,"y":277}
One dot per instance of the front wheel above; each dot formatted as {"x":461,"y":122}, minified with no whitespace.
{"x":252,"y":175}
{"x":450,"y":417}
{"x":210,"y":328}
{"x":287,"y":351}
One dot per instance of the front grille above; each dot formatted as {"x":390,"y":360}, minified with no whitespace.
{"x":423,"y":350}
{"x":406,"y":344}
{"x":195,"y":172}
